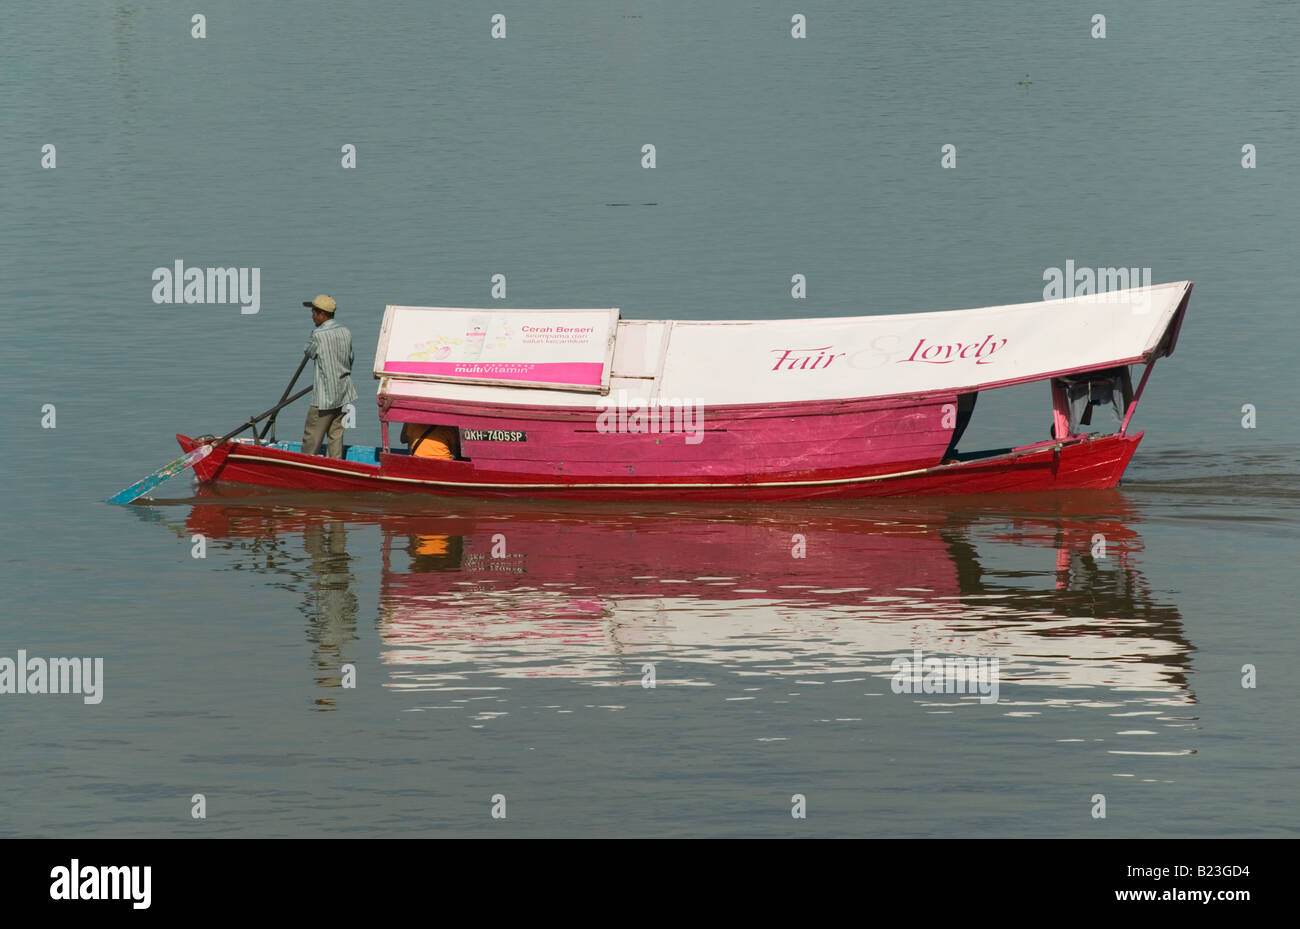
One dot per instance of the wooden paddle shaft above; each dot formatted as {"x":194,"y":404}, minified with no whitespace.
{"x":261,"y":416}
{"x":270,"y":423}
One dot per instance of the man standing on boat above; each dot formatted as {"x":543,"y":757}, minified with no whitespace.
{"x":331,"y":345}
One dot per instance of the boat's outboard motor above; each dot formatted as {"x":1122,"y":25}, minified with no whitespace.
{"x":1112,"y":388}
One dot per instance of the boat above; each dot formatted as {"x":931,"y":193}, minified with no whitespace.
{"x":581,"y":404}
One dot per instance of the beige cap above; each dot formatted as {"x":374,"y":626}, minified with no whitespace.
{"x":323,"y":303}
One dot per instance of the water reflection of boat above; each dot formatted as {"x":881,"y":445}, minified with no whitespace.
{"x":1051,"y":587}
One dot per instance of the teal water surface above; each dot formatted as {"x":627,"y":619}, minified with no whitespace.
{"x":525,"y":675}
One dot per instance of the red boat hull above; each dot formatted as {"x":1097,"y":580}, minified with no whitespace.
{"x":1084,"y":463}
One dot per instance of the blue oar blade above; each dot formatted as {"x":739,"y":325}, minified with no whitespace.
{"x":140,"y":488}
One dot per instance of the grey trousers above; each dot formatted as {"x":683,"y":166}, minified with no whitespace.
{"x":318,"y":423}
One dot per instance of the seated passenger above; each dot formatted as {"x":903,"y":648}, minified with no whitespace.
{"x":426,"y":441}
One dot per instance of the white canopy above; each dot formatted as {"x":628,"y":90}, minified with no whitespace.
{"x":747,"y":362}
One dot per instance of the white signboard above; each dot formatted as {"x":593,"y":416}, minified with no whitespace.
{"x":916,"y":353}
{"x":559,"y":349}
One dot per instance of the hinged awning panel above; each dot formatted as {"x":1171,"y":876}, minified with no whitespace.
{"x":568,"y":350}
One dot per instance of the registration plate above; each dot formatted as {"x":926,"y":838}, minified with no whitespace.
{"x":492,"y":435}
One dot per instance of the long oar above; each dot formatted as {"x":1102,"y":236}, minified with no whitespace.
{"x":270,"y":423}
{"x":140,"y":488}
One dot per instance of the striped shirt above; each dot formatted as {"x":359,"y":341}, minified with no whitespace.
{"x":331,"y":345}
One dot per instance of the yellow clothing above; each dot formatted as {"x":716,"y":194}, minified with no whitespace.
{"x":431,"y":441}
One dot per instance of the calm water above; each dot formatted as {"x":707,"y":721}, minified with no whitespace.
{"x":523,"y":676}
